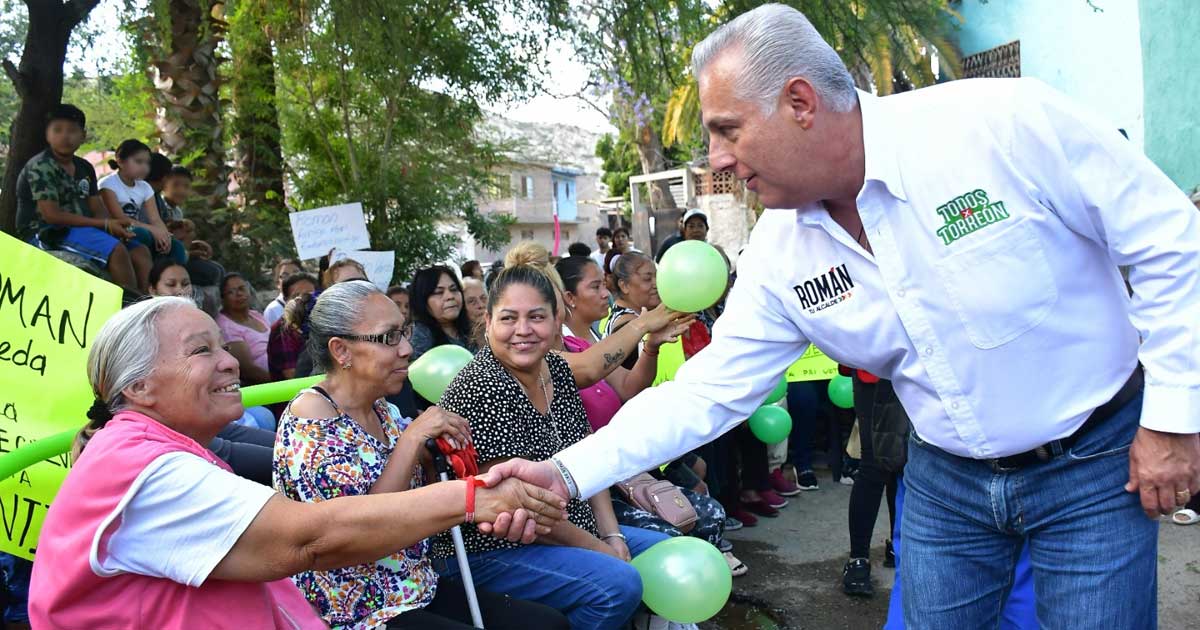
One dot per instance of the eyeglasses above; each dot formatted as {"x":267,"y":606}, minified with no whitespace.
{"x":389,"y":338}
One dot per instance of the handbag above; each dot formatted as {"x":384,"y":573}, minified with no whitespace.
{"x":661,"y":498}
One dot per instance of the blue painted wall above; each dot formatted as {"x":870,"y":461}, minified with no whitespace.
{"x":1095,"y":57}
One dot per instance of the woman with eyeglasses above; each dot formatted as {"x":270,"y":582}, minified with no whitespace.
{"x":340,"y":438}
{"x":244,"y":329}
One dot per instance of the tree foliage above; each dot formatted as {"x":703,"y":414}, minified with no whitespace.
{"x":378,"y":102}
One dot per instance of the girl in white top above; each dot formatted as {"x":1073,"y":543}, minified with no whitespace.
{"x":125,"y":193}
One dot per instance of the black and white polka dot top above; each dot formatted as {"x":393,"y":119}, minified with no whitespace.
{"x":504,"y":424}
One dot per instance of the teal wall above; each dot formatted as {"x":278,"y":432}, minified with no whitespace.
{"x":1093,"y":57}
{"x":1171,"y":59}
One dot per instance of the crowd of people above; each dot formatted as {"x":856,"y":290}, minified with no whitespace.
{"x":326,"y":510}
{"x":559,"y":345}
{"x":593,"y":322}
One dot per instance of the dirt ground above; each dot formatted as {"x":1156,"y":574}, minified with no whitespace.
{"x":796,"y":560}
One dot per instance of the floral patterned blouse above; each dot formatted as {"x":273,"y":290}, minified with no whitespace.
{"x":323,"y":458}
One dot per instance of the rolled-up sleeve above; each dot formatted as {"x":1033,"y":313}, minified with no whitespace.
{"x":753,"y":344}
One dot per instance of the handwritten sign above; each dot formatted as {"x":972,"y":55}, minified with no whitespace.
{"x":320,"y":230}
{"x":813,"y":365}
{"x":50,"y":313}
{"x":378,"y":265}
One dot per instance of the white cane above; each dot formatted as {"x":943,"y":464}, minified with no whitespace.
{"x":460,"y":552}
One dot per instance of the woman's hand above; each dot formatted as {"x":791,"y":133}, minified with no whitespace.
{"x":659,"y":318}
{"x":618,"y":548}
{"x":513,"y":495}
{"x":436,"y":422}
{"x":670,"y":333}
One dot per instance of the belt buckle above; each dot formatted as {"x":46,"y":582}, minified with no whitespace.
{"x":1043,"y":454}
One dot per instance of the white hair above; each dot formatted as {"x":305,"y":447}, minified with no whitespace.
{"x":123,"y":353}
{"x":778,"y":43}
{"x":126,"y":348}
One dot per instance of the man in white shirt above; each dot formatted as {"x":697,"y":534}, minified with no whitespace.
{"x":603,"y":244}
{"x":283,"y":269}
{"x":962,"y":241}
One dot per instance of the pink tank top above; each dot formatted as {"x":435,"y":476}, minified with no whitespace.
{"x":600,"y":400}
{"x":65,"y":593}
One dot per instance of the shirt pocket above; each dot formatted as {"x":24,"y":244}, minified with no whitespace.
{"x":1001,"y":287}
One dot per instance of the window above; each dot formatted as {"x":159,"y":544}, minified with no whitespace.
{"x":566,"y":235}
{"x":526,"y":235}
{"x":527,"y":186}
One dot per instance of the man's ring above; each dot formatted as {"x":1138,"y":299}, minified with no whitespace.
{"x":1182,"y":497}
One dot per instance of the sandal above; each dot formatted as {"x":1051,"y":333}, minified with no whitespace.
{"x":1185,"y":517}
{"x":736,"y":567}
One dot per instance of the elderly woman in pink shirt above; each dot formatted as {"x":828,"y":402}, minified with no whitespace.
{"x":150,"y":530}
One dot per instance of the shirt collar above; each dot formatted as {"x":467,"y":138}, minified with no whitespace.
{"x":882,"y":163}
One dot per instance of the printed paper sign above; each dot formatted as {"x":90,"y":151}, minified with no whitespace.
{"x":812,"y":366}
{"x":379,"y":265}
{"x":320,"y":230}
{"x":50,"y":313}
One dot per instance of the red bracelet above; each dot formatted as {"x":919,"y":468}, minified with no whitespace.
{"x":472,"y":483}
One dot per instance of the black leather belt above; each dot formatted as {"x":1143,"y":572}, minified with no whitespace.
{"x":1044,"y":452}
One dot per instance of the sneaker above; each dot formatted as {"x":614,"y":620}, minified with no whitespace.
{"x":789,"y":472}
{"x":772,"y":499}
{"x":733,"y":524}
{"x":724,"y":545}
{"x":807,"y":480}
{"x":759,"y":507}
{"x":783,"y":486}
{"x":889,"y":555}
{"x":856,"y":578}
{"x":742,"y":516}
{"x":846,"y":481}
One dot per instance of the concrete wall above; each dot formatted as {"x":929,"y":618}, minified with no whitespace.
{"x":1171,"y":70}
{"x":1094,"y":57}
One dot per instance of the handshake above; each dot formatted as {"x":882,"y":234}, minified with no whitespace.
{"x":520,"y":500}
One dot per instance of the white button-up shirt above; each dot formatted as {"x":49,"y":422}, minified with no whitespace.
{"x":998,"y":212}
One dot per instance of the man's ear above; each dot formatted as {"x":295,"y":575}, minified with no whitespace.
{"x":800,"y":99}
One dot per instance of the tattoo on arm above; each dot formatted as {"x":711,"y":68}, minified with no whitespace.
{"x":613,"y":358}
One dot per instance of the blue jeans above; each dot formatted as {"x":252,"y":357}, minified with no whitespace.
{"x":1018,"y":613}
{"x":1093,"y":551}
{"x":594,"y":590}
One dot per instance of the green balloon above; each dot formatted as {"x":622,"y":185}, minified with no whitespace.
{"x":432,"y":373}
{"x":277,"y":392}
{"x":684,"y":579}
{"x":692,"y":276}
{"x":779,"y":392}
{"x":771,"y":424}
{"x":841,"y":391}
{"x":33,"y":452}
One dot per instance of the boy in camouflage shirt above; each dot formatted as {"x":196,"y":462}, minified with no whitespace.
{"x":58,"y":204}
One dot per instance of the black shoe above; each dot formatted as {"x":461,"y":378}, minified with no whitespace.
{"x":807,"y":480}
{"x":889,"y":555}
{"x":856,"y":578}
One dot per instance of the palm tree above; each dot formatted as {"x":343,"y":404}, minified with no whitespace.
{"x":184,"y":36}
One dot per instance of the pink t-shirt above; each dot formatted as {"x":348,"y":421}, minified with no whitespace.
{"x":600,"y":400}
{"x":255,"y":340}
